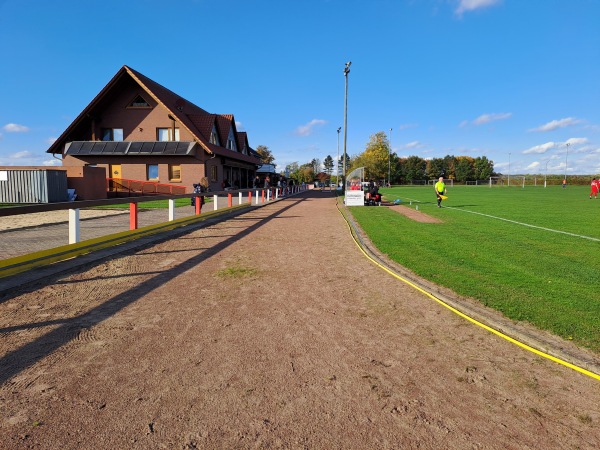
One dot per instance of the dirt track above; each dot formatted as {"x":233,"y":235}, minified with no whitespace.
{"x":253,"y":334}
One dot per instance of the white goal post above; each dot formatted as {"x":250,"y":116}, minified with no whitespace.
{"x":506,"y":181}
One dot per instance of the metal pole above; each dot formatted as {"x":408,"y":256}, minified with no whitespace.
{"x":509,"y":169}
{"x":337,"y":161}
{"x":346,"y":72}
{"x":546,"y":174}
{"x":389,"y":156}
{"x":566,"y":161}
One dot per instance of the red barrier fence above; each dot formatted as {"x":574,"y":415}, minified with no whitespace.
{"x":142,"y":187}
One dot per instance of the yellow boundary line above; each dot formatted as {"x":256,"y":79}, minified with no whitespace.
{"x":465,"y":316}
{"x":24,"y":263}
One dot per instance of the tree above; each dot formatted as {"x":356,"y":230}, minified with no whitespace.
{"x":304,"y":173}
{"x":484,"y":168}
{"x":292,"y":167}
{"x":436,"y":168}
{"x":465,"y":170}
{"x":395,"y":169}
{"x":266,"y":156}
{"x":316,"y":165}
{"x":415,"y":168}
{"x":328,"y":164}
{"x":450,"y":162}
{"x":375,"y":158}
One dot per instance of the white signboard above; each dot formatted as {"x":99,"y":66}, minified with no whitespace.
{"x":3,"y":175}
{"x":355,"y":198}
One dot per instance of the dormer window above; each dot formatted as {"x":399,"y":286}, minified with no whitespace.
{"x":139,"y":102}
{"x":214,"y":137}
{"x":231,"y":145}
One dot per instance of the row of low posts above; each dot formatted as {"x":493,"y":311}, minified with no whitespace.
{"x":261,"y":196}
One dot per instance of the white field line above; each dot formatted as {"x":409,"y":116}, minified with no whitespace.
{"x":519,"y":223}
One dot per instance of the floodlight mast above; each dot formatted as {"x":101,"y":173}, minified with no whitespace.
{"x":389,"y":156}
{"x":337,"y":161}
{"x":346,"y":72}
{"x":567,"y":161}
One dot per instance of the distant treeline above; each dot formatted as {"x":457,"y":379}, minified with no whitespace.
{"x":458,"y":168}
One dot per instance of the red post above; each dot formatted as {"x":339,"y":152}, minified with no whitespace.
{"x":250,"y":197}
{"x":198,"y":204}
{"x":133,"y":216}
{"x":229,"y":200}
{"x":263,"y":196}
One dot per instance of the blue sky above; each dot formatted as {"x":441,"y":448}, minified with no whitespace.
{"x":513,"y":80}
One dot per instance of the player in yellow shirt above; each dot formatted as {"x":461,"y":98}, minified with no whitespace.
{"x":440,"y":189}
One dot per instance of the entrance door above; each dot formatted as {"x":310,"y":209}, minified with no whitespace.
{"x":114,"y":171}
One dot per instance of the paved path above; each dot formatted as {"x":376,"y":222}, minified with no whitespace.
{"x":22,"y":241}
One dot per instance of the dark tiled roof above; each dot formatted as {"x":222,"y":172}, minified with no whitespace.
{"x":198,"y":121}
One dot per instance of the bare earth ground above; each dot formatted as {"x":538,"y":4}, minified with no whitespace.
{"x":252,"y":333}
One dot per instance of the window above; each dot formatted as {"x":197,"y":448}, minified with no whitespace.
{"x":112,"y":134}
{"x":174,"y":172}
{"x":213,"y":173}
{"x":138,"y":102}
{"x":164,"y":134}
{"x":231,"y":141}
{"x":214,"y":137}
{"x":152,"y":172}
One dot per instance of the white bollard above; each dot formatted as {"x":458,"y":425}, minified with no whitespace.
{"x":215,"y":201}
{"x":171,"y":209}
{"x":74,"y":226}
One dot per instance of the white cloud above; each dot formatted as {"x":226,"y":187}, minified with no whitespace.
{"x":15,"y":128}
{"x":22,"y":155}
{"x":406,"y":126}
{"x":487,"y":118}
{"x":413,"y":144}
{"x":543,"y":148}
{"x":51,"y":140}
{"x":306,"y":130}
{"x":555,"y":124}
{"x":472,"y":5}
{"x":533,"y":165}
{"x":239,"y":126}
{"x":576,"y":141}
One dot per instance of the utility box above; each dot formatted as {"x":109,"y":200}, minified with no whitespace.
{"x":33,"y":186}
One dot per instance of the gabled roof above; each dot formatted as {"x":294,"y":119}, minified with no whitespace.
{"x":223,"y":127}
{"x":195,"y":119}
{"x":243,"y":138}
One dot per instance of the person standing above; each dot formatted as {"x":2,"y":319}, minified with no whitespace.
{"x":594,"y":188}
{"x":440,"y":189}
